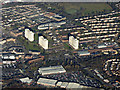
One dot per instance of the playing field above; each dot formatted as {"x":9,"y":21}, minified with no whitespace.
{"x":84,"y":8}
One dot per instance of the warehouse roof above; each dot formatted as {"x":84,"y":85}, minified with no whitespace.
{"x":102,"y":46}
{"x":59,"y":83}
{"x":8,"y":56}
{"x":26,"y":80}
{"x":51,"y":70}
{"x":49,"y":82}
{"x":81,"y":86}
{"x":83,"y":52}
{"x":73,"y":85}
{"x":64,"y":84}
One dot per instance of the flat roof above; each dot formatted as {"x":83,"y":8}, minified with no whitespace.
{"x":64,"y":84}
{"x":26,"y":80}
{"x":73,"y":85}
{"x":59,"y":83}
{"x":45,"y":81}
{"x":83,"y":52}
{"x":51,"y":70}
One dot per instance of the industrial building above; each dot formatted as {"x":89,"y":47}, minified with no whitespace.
{"x":8,"y":58}
{"x":83,"y":53}
{"x":73,"y":85}
{"x":102,"y":46}
{"x":70,"y":85}
{"x":29,"y":34}
{"x":43,"y":42}
{"x":9,"y":62}
{"x":64,"y":84}
{"x":73,"y":42}
{"x":47,"y":82}
{"x":56,"y":83}
{"x":59,"y":83}
{"x":51,"y":70}
{"x":26,"y":80}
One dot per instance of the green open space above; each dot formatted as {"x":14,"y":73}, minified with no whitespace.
{"x":67,"y":46}
{"x":71,"y":11}
{"x":85,"y":8}
{"x":29,"y":45}
{"x":50,"y":41}
{"x":36,"y":38}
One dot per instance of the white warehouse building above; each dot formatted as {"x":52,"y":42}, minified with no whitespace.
{"x":29,"y":34}
{"x":73,"y":42}
{"x":43,"y":42}
{"x":51,"y":70}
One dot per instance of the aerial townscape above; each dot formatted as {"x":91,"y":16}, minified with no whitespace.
{"x":60,"y":45}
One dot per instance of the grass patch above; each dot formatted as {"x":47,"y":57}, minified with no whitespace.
{"x":29,"y":45}
{"x":36,"y":38}
{"x":85,"y":8}
{"x":71,"y":11}
{"x":67,"y":46}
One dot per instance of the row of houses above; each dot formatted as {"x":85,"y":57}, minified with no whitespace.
{"x":112,"y":66}
{"x":7,"y":40}
{"x":28,"y":14}
{"x":102,"y":27}
{"x":54,"y":16}
{"x":99,"y":16}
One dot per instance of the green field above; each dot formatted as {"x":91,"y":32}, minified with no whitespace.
{"x":85,"y":8}
{"x":67,"y":46}
{"x":36,"y":37}
{"x":29,"y":45}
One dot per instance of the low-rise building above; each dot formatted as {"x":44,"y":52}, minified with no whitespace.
{"x":3,"y":41}
{"x":51,"y":70}
{"x":72,"y":85}
{"x":59,"y":84}
{"x":101,"y":46}
{"x":26,"y":80}
{"x":64,"y":84}
{"x":34,"y":52}
{"x":18,"y":51}
{"x":16,"y":33}
{"x":36,"y":60}
{"x":47,"y":82}
{"x":83,"y":53}
{"x":8,"y":58}
{"x":10,"y":39}
{"x":28,"y":56}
